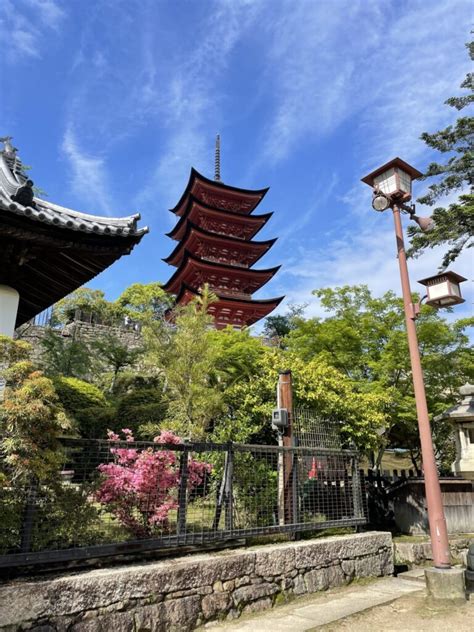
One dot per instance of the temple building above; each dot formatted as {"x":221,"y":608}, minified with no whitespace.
{"x":47,"y":251}
{"x":215,"y":231}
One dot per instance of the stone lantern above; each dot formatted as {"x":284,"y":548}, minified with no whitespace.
{"x":462,"y":417}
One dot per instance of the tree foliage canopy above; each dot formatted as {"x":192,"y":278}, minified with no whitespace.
{"x":453,"y":225}
{"x":364,"y":337}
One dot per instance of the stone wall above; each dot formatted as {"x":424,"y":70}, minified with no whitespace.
{"x":181,"y":594}
{"x":420,"y":553}
{"x":78,"y":330}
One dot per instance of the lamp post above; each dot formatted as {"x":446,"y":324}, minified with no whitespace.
{"x":391,"y":184}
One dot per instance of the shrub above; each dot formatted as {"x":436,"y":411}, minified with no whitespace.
{"x":141,"y":407}
{"x":140,"y":487}
{"x":76,"y":395}
{"x":94,"y":422}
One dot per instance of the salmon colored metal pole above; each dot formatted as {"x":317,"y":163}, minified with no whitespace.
{"x":285,"y":400}
{"x":436,"y":518}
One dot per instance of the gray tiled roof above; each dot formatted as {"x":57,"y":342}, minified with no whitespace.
{"x":12,"y":178}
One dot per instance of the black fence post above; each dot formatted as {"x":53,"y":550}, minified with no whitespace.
{"x":26,"y":535}
{"x":183,"y":491}
{"x":294,"y":482}
{"x":356,"y":489}
{"x":228,"y":489}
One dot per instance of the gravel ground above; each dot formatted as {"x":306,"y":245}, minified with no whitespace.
{"x":409,"y":613}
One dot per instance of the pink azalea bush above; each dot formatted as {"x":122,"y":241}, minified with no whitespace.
{"x":140,"y":487}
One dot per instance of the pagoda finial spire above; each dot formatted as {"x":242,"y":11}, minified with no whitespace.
{"x":217,"y":159}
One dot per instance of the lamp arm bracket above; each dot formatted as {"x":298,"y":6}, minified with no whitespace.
{"x":409,"y":209}
{"x":414,"y":309}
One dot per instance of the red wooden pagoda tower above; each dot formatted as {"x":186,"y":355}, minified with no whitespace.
{"x":215,"y":231}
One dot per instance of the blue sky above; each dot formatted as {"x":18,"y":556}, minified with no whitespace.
{"x":111,"y":102}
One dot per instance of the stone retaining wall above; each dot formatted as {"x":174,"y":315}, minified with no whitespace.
{"x":419,"y":553}
{"x":182,"y":593}
{"x":85,"y":332}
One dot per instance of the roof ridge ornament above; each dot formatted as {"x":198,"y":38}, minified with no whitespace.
{"x":217,"y":160}
{"x":7,"y":145}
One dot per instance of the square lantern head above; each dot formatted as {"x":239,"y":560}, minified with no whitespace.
{"x":393,"y":179}
{"x":443,"y":289}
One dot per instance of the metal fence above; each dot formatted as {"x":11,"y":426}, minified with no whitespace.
{"x":112,"y":497}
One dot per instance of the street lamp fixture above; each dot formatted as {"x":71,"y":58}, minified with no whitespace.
{"x":393,"y":181}
{"x":391,"y":185}
{"x":443,"y":289}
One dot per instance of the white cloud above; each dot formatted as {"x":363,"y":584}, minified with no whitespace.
{"x":25,"y":26}
{"x":363,"y":256}
{"x":89,"y":178}
{"x":189,"y":102}
{"x":394,"y":66}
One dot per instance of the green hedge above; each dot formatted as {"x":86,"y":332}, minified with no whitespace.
{"x":94,"y":422}
{"x":141,"y":407}
{"x":76,"y":395}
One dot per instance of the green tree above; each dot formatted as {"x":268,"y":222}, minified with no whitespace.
{"x":89,"y":301}
{"x":114,"y":354}
{"x":279,"y":326}
{"x":187,"y":358}
{"x":144,"y":302}
{"x":31,"y":417}
{"x":453,"y":225}
{"x":364,"y":337}
{"x":317,"y":386}
{"x":62,"y":355}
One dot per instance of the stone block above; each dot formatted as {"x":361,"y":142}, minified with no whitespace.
{"x":257,"y":606}
{"x":299,"y":585}
{"x":445,"y":584}
{"x":386,"y":562}
{"x":336,"y":576}
{"x":324,"y":578}
{"x":253,"y":592}
{"x":181,"y":614}
{"x":316,"y":580}
{"x":276,"y":561}
{"x":118,"y":622}
{"x":367,"y":567}
{"x":242,"y":581}
{"x":148,"y":617}
{"x":213,"y":604}
{"x":326,"y":552}
{"x":348,"y":568}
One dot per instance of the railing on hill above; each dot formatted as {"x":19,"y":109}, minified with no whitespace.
{"x":113,"y":497}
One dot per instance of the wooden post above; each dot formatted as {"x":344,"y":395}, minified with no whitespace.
{"x":286,"y":492}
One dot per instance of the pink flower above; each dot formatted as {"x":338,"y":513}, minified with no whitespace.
{"x":140,"y":486}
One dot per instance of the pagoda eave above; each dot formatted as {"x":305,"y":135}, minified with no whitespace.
{"x":242,"y":201}
{"x":203,"y":243}
{"x":218,"y":221}
{"x":196,"y":272}
{"x":232,"y":311}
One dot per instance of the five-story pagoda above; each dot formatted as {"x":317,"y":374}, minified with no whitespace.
{"x":215,"y":233}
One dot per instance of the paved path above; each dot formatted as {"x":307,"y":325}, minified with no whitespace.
{"x":307,"y":614}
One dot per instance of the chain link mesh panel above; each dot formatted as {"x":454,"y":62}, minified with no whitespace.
{"x":109,"y":495}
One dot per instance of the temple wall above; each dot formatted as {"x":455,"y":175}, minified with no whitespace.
{"x":78,"y":330}
{"x":183,"y":593}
